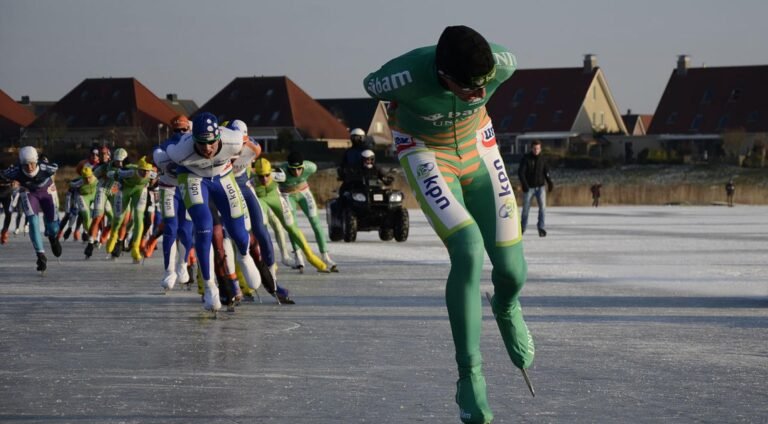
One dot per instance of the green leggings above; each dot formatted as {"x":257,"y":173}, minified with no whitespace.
{"x":306,"y":201}
{"x":279,"y":206}
{"x":469,"y":201}
{"x":84,"y":204}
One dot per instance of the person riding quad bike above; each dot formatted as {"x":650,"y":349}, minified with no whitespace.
{"x":365,"y":204}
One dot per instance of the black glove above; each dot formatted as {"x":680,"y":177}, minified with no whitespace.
{"x":550,"y":186}
{"x":387,"y":180}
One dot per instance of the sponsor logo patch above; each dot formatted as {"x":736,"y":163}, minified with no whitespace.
{"x":403,"y":143}
{"x":424,"y":169}
{"x":489,"y":137}
{"x":506,"y":209}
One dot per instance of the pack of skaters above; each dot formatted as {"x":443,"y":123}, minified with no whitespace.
{"x":102,"y":223}
{"x":204,"y":160}
{"x":129,"y":205}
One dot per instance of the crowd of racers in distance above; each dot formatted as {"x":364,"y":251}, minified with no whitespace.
{"x":206,"y":191}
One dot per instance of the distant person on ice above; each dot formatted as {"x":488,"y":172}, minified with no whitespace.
{"x":595,"y":189}
{"x":534,"y":175}
{"x":730,"y":188}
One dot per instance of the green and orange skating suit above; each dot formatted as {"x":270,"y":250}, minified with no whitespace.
{"x":270,"y":198}
{"x":448,"y":151}
{"x":296,"y":190}
{"x":130,"y":203}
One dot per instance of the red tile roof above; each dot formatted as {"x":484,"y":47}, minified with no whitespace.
{"x":554,"y":95}
{"x":712,"y":100}
{"x":13,"y":112}
{"x":109,"y":102}
{"x":13,"y":117}
{"x":274,"y":102}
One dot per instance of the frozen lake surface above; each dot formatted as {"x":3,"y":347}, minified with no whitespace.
{"x":640,"y":314}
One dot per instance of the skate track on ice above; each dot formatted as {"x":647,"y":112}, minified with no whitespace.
{"x":640,"y":314}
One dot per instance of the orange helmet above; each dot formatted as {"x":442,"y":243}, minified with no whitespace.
{"x":180,"y":122}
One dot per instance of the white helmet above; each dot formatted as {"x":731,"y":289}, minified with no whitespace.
{"x":238,"y":125}
{"x":120,"y":154}
{"x":368,"y":154}
{"x":357,"y":131}
{"x":27,"y":154}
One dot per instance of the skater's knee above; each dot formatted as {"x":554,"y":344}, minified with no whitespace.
{"x":466,"y":246}
{"x":509,"y":272}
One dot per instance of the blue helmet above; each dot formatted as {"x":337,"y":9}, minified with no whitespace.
{"x":205,"y":128}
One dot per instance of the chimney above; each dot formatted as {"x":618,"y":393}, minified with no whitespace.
{"x":172,"y":97}
{"x":629,"y":111}
{"x":590,"y":63}
{"x":682,"y":64}
{"x":24,"y":100}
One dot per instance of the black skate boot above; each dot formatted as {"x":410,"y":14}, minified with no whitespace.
{"x":55,"y":246}
{"x":88,"y":250}
{"x":42,"y":262}
{"x":67,"y":233}
{"x":118,"y":250}
{"x":283,"y":296}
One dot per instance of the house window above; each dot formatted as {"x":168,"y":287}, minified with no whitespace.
{"x":116,"y":94}
{"x":275,"y":116}
{"x":557,"y":116}
{"x":753,"y":117}
{"x":696,"y":123}
{"x":518,"y":97}
{"x":707,"y":97}
{"x":269,"y":92}
{"x":594,"y":93}
{"x":71,"y":120}
{"x":103,"y":119}
{"x":542,"y":95}
{"x":84,"y":95}
{"x":722,"y":122}
{"x":672,"y":118}
{"x":505,"y":122}
{"x":378,"y":127}
{"x":602,"y":119}
{"x":735,"y":95}
{"x":234,"y":94}
{"x":121,"y":118}
{"x":256,"y":118}
{"x":530,"y":122}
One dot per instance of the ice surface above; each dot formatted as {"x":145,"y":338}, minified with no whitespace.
{"x":640,"y":314}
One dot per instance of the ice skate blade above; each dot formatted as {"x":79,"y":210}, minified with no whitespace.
{"x":528,"y":382}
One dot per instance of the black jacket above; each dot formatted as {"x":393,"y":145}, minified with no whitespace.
{"x":534,"y":172}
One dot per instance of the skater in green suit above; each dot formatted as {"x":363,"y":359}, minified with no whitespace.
{"x":269,"y":196}
{"x":447,"y":147}
{"x":295,"y":188}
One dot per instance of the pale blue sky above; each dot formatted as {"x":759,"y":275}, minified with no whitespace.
{"x":195,"y":48}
